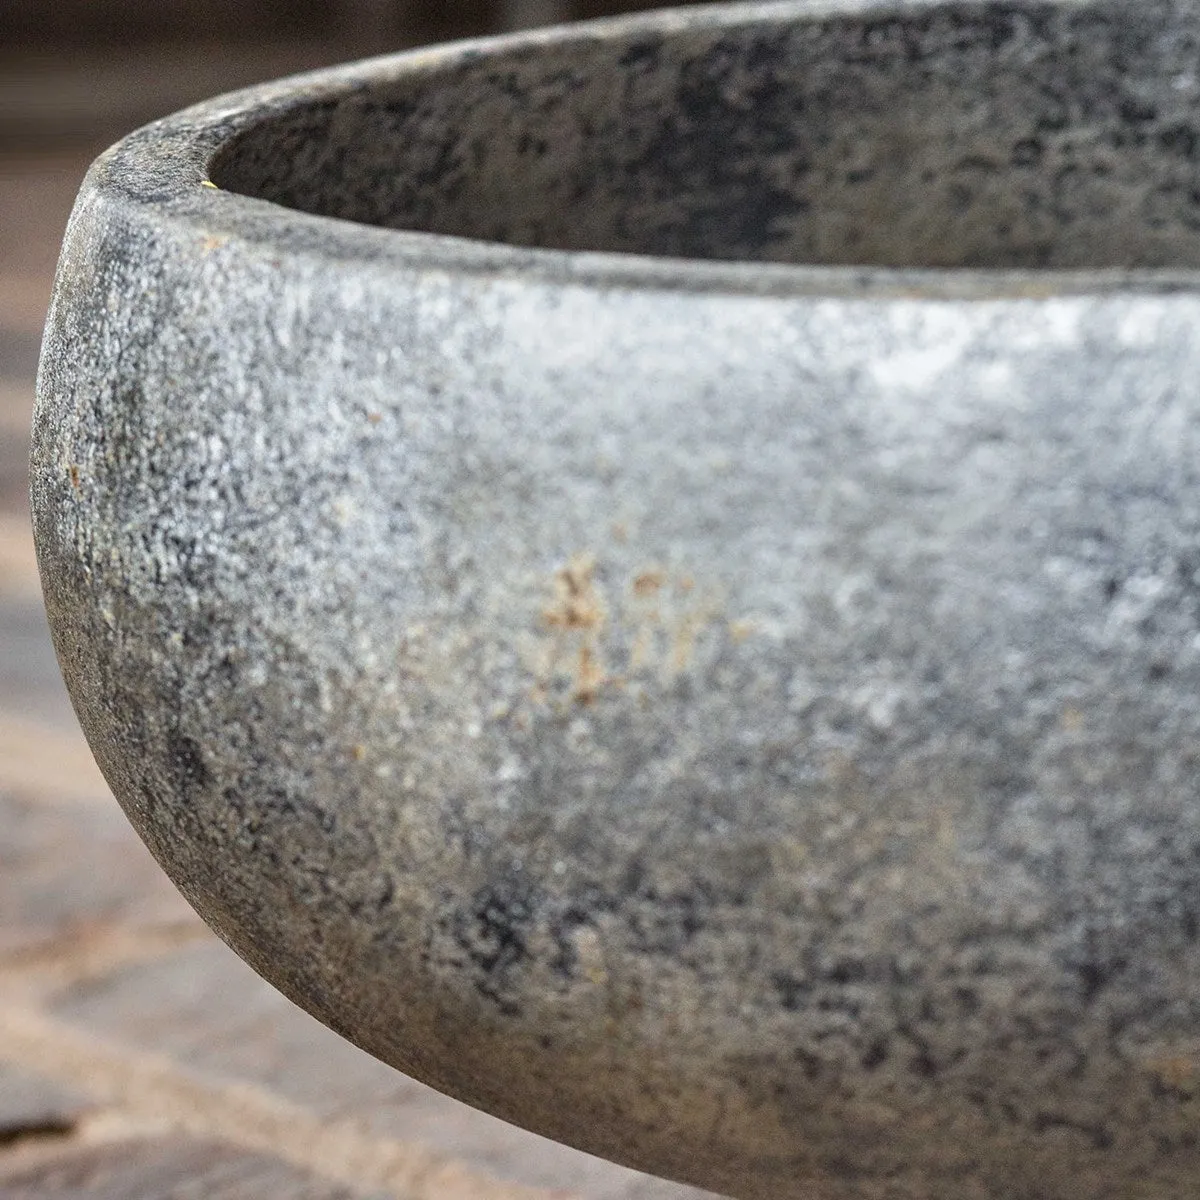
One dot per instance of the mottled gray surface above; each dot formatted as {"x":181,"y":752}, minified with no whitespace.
{"x":740,"y":720}
{"x":1032,"y":135}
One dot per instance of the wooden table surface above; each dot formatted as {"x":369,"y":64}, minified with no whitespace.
{"x":139,"y":1058}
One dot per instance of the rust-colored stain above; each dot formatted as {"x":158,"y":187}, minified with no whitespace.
{"x":606,"y":639}
{"x":649,"y":583}
{"x":374,"y":417}
{"x":742,"y":631}
{"x":683,"y":642}
{"x":73,"y":471}
{"x":639,"y":654}
{"x":577,"y":604}
{"x":589,"y":677}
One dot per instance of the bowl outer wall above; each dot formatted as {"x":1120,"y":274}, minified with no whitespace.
{"x":738,"y":721}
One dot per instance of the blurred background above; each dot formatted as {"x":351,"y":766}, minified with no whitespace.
{"x":77,"y":74}
{"x":139,"y":1059}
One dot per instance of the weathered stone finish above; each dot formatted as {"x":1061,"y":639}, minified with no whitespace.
{"x":649,"y":575}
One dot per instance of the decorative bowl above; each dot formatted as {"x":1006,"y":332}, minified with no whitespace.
{"x":648,"y":574}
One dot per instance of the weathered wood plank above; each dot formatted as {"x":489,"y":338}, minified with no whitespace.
{"x":18,"y":563}
{"x":14,"y":471}
{"x":156,"y":1088}
{"x":16,"y":404}
{"x":71,"y":878}
{"x":37,"y":760}
{"x":154,"y":1169}
{"x":206,"y":1010}
{"x":31,"y":1106}
{"x":31,"y":689}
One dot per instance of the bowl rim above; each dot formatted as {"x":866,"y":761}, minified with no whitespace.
{"x":160,"y":175}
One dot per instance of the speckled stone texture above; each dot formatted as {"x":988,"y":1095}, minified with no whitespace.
{"x":648,"y":641}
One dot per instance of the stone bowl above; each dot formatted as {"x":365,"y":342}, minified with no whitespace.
{"x":648,"y":574}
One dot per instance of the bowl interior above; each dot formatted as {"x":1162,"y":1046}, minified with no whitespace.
{"x":949,"y":135}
